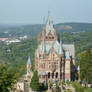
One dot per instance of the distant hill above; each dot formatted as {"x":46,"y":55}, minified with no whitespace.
{"x":36,"y":28}
{"x":74,"y":27}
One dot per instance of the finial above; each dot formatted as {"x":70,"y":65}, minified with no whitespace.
{"x":48,"y":13}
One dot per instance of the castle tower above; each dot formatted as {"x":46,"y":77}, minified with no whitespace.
{"x":48,"y":32}
{"x":67,"y":67}
{"x":29,"y":66}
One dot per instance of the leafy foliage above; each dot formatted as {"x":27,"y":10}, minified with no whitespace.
{"x":35,"y":81}
{"x":78,"y":87}
{"x":86,"y":66}
{"x":6,"y":79}
{"x":16,"y":59}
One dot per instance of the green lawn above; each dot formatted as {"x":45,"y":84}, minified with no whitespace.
{"x":88,"y":90}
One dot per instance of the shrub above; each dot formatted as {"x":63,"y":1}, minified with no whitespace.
{"x":78,"y":87}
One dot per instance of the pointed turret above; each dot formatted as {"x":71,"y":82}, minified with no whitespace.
{"x":29,"y":66}
{"x":60,"y":48}
{"x":43,"y":47}
{"x":49,"y":26}
{"x":29,"y":61}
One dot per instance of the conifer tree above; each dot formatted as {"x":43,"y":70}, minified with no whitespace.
{"x":35,"y":85}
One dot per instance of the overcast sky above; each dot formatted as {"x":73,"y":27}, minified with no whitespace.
{"x":33,"y":11}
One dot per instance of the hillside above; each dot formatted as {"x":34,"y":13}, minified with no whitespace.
{"x":16,"y":59}
{"x":33,"y":30}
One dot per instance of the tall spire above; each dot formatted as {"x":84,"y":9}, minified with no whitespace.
{"x":49,"y":25}
{"x":29,"y":61}
{"x":60,"y":48}
{"x":43,"y":47}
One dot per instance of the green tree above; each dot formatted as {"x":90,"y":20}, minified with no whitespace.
{"x":35,"y":85}
{"x":6,"y":79}
{"x":86,"y":67}
{"x":78,"y":87}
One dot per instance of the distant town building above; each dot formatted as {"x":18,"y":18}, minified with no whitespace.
{"x":3,"y":39}
{"x":9,"y":41}
{"x":23,"y":37}
{"x":13,"y":39}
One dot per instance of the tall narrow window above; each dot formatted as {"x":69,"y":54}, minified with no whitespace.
{"x":49,"y":75}
{"x":52,"y":75}
{"x":56,"y":74}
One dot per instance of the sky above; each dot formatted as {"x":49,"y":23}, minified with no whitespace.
{"x":34,"y":11}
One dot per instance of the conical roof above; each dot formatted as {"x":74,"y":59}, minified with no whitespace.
{"x":60,"y":48}
{"x":43,"y":49}
{"x":29,"y":61}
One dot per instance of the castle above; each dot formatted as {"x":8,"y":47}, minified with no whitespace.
{"x":54,"y":60}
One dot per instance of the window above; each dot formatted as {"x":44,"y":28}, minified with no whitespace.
{"x":56,"y":74}
{"x":52,"y":37}
{"x":42,"y":65}
{"x":52,"y":75}
{"x":53,"y":56}
{"x":49,"y":75}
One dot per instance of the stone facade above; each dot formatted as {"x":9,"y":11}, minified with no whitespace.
{"x":54,"y":60}
{"x":23,"y":85}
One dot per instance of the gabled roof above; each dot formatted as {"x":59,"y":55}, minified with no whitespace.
{"x":49,"y":47}
{"x":70,"y":48}
{"x":58,"y":47}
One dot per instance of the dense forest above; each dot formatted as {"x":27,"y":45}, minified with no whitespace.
{"x":15,"y":55}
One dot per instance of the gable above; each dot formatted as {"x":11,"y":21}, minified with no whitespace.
{"x":70,"y":48}
{"x":53,"y":54}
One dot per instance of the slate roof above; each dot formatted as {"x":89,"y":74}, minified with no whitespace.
{"x":70,"y":48}
{"x":29,"y":61}
{"x":56,"y":45}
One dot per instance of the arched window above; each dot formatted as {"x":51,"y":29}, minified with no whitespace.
{"x":49,"y":75}
{"x":56,"y":74}
{"x":52,"y":75}
{"x":52,"y":37}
